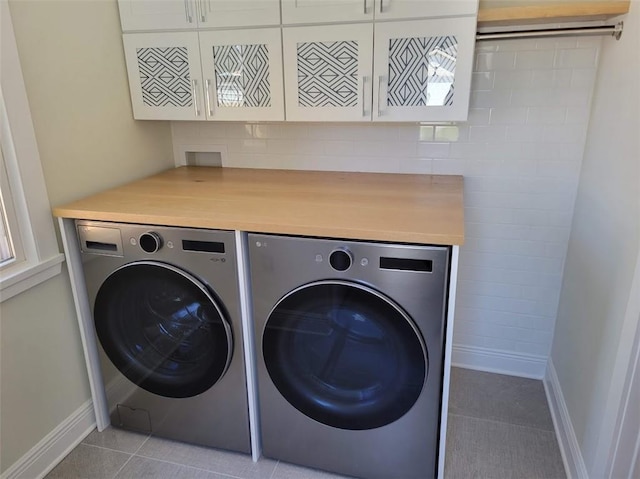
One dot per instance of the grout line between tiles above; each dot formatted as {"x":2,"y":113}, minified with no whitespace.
{"x":188,"y":466}
{"x":122,"y":467}
{"x":274,"y":469}
{"x":551,"y":431}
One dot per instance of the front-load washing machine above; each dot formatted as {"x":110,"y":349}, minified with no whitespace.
{"x":350,"y":353}
{"x":166,"y":310}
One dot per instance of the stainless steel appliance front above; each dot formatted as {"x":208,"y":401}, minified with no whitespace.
{"x":350,"y":353}
{"x":165,"y":303}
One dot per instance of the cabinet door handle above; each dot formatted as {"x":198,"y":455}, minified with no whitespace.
{"x":203,"y":10}
{"x":381,"y":6}
{"x":365,"y":7}
{"x":194,"y":96}
{"x":364,"y":90}
{"x":207,"y":93}
{"x":187,"y":11}
{"x":380,"y":102}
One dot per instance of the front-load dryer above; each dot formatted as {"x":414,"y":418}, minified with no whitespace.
{"x":166,"y":310}
{"x":349,"y":339}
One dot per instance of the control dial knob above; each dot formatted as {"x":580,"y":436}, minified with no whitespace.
{"x":341,"y":259}
{"x":150,"y":242}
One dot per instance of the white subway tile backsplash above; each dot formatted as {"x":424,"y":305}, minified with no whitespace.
{"x":535,"y":59}
{"x":398,"y":149}
{"x":490,"y":98}
{"x":450,"y":166}
{"x":416,"y":165}
{"x":492,"y":61}
{"x":410,"y":132}
{"x":577,"y":58}
{"x":508,"y":116}
{"x":479,"y":116}
{"x":516,"y":45}
{"x":433,"y":149}
{"x":448,"y":133}
{"x":577,"y":115}
{"x":487,"y":133}
{"x":482,"y":80}
{"x":426,"y":133}
{"x":511,"y":79}
{"x":550,"y":115}
{"x":520,"y":152}
{"x":551,"y":78}
{"x":582,"y":78}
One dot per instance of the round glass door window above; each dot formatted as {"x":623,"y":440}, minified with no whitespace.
{"x":162,"y":329}
{"x":344,"y":355}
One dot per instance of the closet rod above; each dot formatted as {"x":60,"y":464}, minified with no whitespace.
{"x":613,"y":30}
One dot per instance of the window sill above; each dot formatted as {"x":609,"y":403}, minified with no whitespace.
{"x":16,"y":280}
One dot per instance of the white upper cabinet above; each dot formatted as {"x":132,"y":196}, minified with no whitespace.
{"x":165,"y":79}
{"x":422,"y":69}
{"x":140,"y":15}
{"x":324,"y":60}
{"x":242,"y":74}
{"x":238,"y":13}
{"x":340,"y":11}
{"x":157,"y":15}
{"x":326,"y":11}
{"x":327,"y":72}
{"x":408,"y":9}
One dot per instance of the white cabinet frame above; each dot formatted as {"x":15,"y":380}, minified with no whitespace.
{"x":295,"y":12}
{"x":326,"y":11}
{"x":150,"y":15}
{"x":464,"y":31}
{"x":165,"y":77}
{"x":410,"y":9}
{"x":358,"y":38}
{"x":266,"y":39}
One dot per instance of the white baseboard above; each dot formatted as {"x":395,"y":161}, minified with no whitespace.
{"x":569,"y":448}
{"x":501,"y":362}
{"x":45,"y":455}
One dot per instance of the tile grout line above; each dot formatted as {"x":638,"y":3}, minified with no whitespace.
{"x":131,"y":456}
{"x":187,"y":466}
{"x":551,"y":431}
{"x":274,"y":469}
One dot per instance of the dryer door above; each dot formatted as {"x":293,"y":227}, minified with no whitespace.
{"x":344,"y":355}
{"x":163,"y":329}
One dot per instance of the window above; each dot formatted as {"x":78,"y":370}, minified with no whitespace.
{"x":10,"y":240}
{"x":29,"y":252}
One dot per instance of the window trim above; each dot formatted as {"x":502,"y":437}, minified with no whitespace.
{"x":42,"y":257}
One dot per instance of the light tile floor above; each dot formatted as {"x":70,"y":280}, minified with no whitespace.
{"x":499,"y":428}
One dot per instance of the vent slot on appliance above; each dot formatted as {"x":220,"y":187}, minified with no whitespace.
{"x":203,"y":246}
{"x":100,"y":246}
{"x":407,"y":264}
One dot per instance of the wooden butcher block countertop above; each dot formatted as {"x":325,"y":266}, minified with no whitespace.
{"x":425,"y":209}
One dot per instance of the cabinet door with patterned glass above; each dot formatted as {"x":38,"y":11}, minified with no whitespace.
{"x":422,"y":69}
{"x":242,"y":72}
{"x":165,"y":79}
{"x":327,"y":72}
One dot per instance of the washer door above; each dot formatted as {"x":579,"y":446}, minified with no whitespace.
{"x":163,"y":329}
{"x":344,"y":355}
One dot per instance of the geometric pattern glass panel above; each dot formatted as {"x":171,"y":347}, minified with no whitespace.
{"x":242,"y":75}
{"x":421,"y":71}
{"x":164,"y":76}
{"x":328,"y":74}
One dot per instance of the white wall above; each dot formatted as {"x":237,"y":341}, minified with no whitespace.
{"x":73,"y":65}
{"x":520,"y":154}
{"x":603,"y":249}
